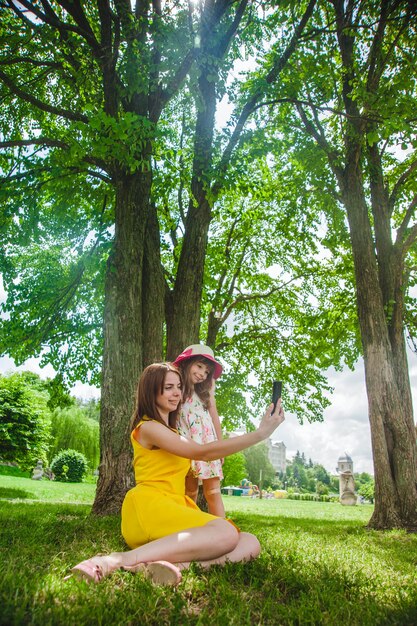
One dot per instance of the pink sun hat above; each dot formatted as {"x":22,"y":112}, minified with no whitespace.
{"x":199,"y":350}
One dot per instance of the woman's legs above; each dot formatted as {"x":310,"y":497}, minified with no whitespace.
{"x":212,"y":493}
{"x":216,"y":539}
{"x":248,"y":548}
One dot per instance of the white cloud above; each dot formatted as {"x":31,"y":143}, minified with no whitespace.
{"x":345,"y":427}
{"x":79,"y":390}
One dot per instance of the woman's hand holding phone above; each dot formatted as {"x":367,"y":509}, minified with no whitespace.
{"x":271,"y":419}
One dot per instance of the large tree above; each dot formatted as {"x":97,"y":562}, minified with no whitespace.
{"x":352,"y":114}
{"x":90,"y":87}
{"x":111,"y":156}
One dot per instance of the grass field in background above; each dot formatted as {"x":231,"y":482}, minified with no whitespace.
{"x":46,"y":490}
{"x":319,"y":565}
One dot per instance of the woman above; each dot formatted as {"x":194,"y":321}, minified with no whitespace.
{"x":165,"y":528}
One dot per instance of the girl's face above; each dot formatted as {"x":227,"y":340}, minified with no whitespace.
{"x":170,"y":397}
{"x":198,"y":372}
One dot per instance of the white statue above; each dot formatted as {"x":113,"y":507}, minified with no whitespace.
{"x":37,"y":473}
{"x":346,"y":481}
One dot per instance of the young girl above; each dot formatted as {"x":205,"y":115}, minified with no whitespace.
{"x":200,"y":421}
{"x":158,"y":520}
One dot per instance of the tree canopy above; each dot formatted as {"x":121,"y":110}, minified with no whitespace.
{"x":134,"y":223}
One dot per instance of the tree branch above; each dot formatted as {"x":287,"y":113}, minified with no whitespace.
{"x":74,"y":8}
{"x":231,"y":31}
{"x":400,"y":182}
{"x":51,"y":18}
{"x":164,"y":95}
{"x":32,"y":173}
{"x":30,"y":61}
{"x":402,"y":230}
{"x":39,"y":141}
{"x":17,"y":91}
{"x":412,"y":235}
{"x":253,"y":100}
{"x":332,"y":154}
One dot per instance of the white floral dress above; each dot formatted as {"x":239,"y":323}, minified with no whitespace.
{"x":195,"y":423}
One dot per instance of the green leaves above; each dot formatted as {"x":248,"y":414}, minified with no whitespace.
{"x":55,"y":299}
{"x":124,"y":140}
{"x":24,"y":420}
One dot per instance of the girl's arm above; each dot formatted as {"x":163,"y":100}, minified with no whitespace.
{"x":212,"y":409}
{"x":152,"y":434}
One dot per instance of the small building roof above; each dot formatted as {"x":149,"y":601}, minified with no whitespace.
{"x":345,"y":458}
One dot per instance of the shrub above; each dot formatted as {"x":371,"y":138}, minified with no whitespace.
{"x":69,"y":466}
{"x":71,"y":428}
{"x":234,"y":469}
{"x":24,"y":420}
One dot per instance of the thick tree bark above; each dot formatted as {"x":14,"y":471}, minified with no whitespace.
{"x":153,"y":293}
{"x":380,"y":281}
{"x":183,"y":325}
{"x":386,"y":372}
{"x":123,"y":340}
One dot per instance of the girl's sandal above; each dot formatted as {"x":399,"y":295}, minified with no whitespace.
{"x":159,"y":572}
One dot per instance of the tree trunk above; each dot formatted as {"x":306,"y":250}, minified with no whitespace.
{"x":123,"y":340}
{"x":183,"y":326}
{"x":386,"y":372}
{"x":153,"y":293}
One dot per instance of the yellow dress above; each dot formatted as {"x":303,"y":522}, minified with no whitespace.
{"x":158,"y":506}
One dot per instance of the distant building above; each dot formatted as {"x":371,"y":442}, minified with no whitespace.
{"x":277,"y":455}
{"x":277,"y":451}
{"x":344,"y":463}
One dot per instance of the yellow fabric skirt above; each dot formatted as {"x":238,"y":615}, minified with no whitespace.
{"x":149,"y":514}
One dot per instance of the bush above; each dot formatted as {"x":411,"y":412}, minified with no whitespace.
{"x":69,"y":466}
{"x":234,"y":469}
{"x":367,"y":490}
{"x":72,"y":429}
{"x":25,"y":420}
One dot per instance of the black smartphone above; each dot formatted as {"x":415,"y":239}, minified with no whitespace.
{"x":276,"y":392}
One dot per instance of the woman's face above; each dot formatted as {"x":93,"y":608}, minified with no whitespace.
{"x":170,"y":397}
{"x":198,"y":372}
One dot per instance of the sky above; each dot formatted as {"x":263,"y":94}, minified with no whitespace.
{"x":345,"y":428}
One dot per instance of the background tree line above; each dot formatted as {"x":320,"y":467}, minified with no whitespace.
{"x":134,"y":222}
{"x":300,"y":476}
{"x":33,"y":427}
{"x":37,"y":422}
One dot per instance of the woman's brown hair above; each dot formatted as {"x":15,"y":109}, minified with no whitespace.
{"x":151,"y":383}
{"x":202,"y":389}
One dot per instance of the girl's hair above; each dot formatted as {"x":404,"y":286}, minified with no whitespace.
{"x":201,"y":389}
{"x":151,"y":383}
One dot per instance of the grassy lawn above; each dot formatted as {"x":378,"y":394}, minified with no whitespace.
{"x":319,"y":565}
{"x":26,"y":489}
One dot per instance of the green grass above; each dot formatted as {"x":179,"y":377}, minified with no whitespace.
{"x":319,"y":565}
{"x":46,"y":491}
{"x":13,"y":470}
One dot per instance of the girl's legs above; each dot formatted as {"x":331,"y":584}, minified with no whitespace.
{"x":212,"y":493}
{"x":191,"y":487}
